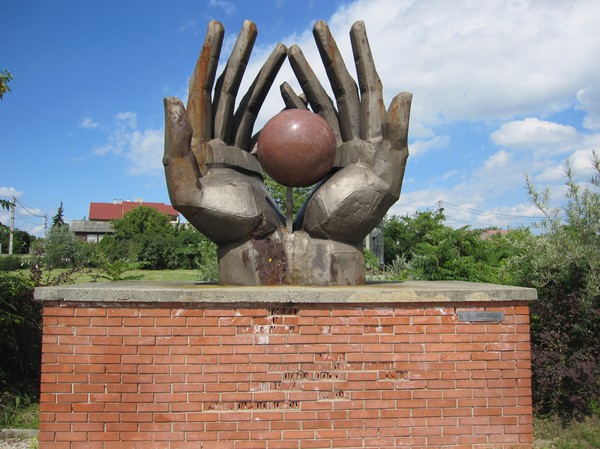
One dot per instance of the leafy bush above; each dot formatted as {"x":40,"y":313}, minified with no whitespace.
{"x":20,"y":333}
{"x":421,"y":247}
{"x":563,"y":263}
{"x":60,"y":248}
{"x":12,"y":263}
{"x":209,"y":266}
{"x":22,"y":240}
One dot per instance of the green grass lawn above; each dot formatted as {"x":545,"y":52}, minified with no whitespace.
{"x":155,"y":275}
{"x":144,"y":275}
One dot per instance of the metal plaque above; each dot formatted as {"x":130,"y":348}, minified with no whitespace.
{"x":480,"y":316}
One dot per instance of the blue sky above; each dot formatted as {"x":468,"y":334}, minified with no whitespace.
{"x":500,"y":88}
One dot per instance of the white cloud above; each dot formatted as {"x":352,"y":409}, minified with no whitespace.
{"x":129,"y":118}
{"x":551,"y":174}
{"x":188,"y":25}
{"x":497,"y":161}
{"x":227,"y":7}
{"x":589,"y":101}
{"x":423,"y":146}
{"x":466,"y":60}
{"x":146,"y":148}
{"x":532,"y":132}
{"x":9,"y":192}
{"x":142,"y":148}
{"x":88,"y":123}
{"x":487,"y":62}
{"x":581,"y":162}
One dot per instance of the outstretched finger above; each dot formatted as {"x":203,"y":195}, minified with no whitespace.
{"x":316,"y":95}
{"x":199,"y":108}
{"x":372,"y":110}
{"x":228,"y":83}
{"x":252,"y":102}
{"x":181,"y":169}
{"x":398,"y":117}
{"x":290,"y":98}
{"x":344,"y":87}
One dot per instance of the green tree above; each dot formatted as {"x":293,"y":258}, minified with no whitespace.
{"x":21,"y":240}
{"x":58,"y":219}
{"x":143,"y":235}
{"x":4,"y":204}
{"x":142,"y":220}
{"x":209,"y":266}
{"x":5,"y":78}
{"x":563,"y":263}
{"x":279,"y":194}
{"x":61,"y":248}
{"x":401,"y":234}
{"x":422,"y":247}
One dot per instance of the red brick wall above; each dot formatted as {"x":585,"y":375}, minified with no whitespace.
{"x":279,"y":377}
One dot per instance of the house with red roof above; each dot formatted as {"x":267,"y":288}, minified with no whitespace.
{"x":101,"y":215}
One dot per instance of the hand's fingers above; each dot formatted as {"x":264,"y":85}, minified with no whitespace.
{"x":372,"y":110}
{"x":290,"y":98}
{"x":178,"y":132}
{"x":317,"y":97}
{"x":228,"y":83}
{"x":344,"y":87}
{"x":251,"y":103}
{"x":398,"y":117}
{"x":199,"y":107}
{"x":181,"y":169}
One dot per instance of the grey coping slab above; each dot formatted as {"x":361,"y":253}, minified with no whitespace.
{"x":189,"y":292}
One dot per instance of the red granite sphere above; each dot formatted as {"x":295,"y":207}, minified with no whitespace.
{"x":296,"y":148}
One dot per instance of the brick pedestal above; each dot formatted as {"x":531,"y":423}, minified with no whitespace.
{"x":182,"y":366}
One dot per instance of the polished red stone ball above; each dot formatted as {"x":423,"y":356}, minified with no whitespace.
{"x":296,"y":148}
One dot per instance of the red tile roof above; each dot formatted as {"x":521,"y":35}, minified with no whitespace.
{"x":111,"y":211}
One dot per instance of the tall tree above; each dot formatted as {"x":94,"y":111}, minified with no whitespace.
{"x":58,"y":219}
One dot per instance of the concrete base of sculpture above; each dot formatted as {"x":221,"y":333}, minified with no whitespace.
{"x":291,"y":259}
{"x":180,"y":365}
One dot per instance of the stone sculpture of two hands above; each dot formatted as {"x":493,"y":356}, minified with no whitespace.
{"x":216,"y":182}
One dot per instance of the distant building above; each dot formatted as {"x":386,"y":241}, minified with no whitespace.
{"x":99,"y":220}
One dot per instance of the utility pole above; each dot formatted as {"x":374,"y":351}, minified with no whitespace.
{"x":12,"y":225}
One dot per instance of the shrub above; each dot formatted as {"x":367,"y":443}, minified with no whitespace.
{"x":563,"y":263}
{"x":12,"y":263}
{"x":20,"y":333}
{"x":60,"y":248}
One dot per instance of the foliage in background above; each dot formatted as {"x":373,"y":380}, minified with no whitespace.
{"x":13,"y":263}
{"x":5,"y":77}
{"x":115,"y":271}
{"x":58,"y":219}
{"x":279,"y":194}
{"x":209,"y":268}
{"x":551,"y":433}
{"x":21,"y":240}
{"x":18,"y":412}
{"x":422,"y":247}
{"x":20,"y":334}
{"x":146,"y":238}
{"x":563,"y":263}
{"x":62,"y":249}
